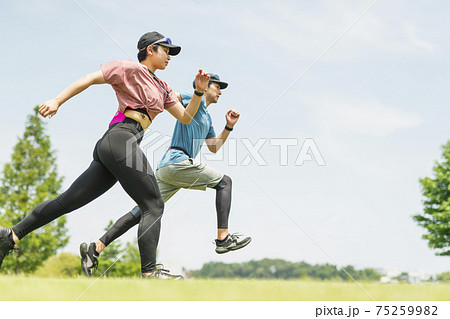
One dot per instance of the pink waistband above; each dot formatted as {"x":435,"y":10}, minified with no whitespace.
{"x":119,"y":117}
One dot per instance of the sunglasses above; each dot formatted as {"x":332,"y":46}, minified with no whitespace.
{"x":162,"y":40}
{"x":167,"y":40}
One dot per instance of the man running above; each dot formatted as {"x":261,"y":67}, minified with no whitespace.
{"x":177,"y":170}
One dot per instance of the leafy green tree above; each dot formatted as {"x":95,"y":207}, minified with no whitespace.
{"x":369,"y":274}
{"x":445,"y":276}
{"x":348,"y":270}
{"x":323,"y":272}
{"x":402,"y":277}
{"x":436,"y":215}
{"x":28,"y":180}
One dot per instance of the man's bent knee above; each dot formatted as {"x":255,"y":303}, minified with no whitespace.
{"x":136,"y":211}
{"x":224,"y":182}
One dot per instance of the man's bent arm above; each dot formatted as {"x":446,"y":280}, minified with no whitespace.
{"x":215,"y":143}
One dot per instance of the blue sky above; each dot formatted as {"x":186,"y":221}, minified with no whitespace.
{"x":376,"y":105}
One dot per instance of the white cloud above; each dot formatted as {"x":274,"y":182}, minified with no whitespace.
{"x":367,"y":117}
{"x":412,"y":32}
{"x":309,"y":32}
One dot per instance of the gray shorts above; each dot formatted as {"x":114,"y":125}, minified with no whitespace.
{"x":186,"y":174}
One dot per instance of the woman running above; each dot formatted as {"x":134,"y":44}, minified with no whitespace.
{"x":117,"y":155}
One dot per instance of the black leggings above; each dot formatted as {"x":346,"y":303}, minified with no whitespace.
{"x":129,"y":220}
{"x":117,"y":157}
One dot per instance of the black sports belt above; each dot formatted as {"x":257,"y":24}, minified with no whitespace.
{"x":180,"y":149}
{"x":143,"y":111}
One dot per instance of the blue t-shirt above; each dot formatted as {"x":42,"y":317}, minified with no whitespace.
{"x":189,"y":137}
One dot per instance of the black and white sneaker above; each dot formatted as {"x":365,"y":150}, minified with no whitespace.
{"x":160,"y":273}
{"x":6,"y":243}
{"x":231,"y":242}
{"x":89,"y":258}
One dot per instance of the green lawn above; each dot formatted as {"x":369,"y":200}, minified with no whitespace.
{"x":33,"y":288}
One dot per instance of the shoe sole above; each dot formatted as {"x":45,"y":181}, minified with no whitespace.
{"x":83,"y":254}
{"x":4,"y":236}
{"x":173,"y":277}
{"x":225,"y":250}
{"x":170,"y":279}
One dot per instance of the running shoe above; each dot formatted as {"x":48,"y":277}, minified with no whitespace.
{"x":89,"y":260}
{"x":160,"y":273}
{"x":6,"y":243}
{"x":231,"y":242}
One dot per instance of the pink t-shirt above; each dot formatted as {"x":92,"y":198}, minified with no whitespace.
{"x":136,"y":88}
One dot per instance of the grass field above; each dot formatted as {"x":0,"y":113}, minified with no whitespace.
{"x":32,"y":288}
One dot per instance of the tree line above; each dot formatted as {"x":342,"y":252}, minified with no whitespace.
{"x":282,"y":269}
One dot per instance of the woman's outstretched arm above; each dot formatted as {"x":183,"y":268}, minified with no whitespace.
{"x":50,"y":107}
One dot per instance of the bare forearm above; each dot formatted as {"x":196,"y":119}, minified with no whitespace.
{"x":185,"y":115}
{"x":79,"y":86}
{"x":220,"y":140}
{"x":215,"y":143}
{"x":201,"y":84}
{"x":50,"y":107}
{"x":191,"y":109}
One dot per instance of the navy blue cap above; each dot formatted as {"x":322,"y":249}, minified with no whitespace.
{"x":216,"y":79}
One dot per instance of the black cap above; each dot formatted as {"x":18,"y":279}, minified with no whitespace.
{"x":154,"y":37}
{"x":216,"y":79}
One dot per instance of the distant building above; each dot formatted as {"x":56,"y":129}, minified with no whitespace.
{"x":389,"y":272}
{"x":418,"y":276}
{"x":393,"y":275}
